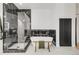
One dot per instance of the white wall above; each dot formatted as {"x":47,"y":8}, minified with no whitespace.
{"x":66,"y":11}
{"x":77,"y":14}
{"x":49,"y":18}
{"x":1,"y":15}
{"x":42,"y":19}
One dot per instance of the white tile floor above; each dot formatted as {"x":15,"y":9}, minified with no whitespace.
{"x":54,"y":51}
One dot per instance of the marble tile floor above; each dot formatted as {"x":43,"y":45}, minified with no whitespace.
{"x":54,"y":51}
{"x":18,"y":46}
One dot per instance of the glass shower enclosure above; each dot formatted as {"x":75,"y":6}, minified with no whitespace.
{"x":17,"y":28}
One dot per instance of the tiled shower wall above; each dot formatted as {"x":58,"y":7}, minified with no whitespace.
{"x":10,"y":16}
{"x":23,"y":25}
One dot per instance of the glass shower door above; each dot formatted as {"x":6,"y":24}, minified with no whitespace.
{"x":17,"y":28}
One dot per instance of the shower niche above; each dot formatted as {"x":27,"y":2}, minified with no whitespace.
{"x":17,"y":28}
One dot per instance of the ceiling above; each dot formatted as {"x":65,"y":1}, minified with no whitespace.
{"x":35,"y":5}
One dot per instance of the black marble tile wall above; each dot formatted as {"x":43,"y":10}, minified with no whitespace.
{"x":11,"y":8}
